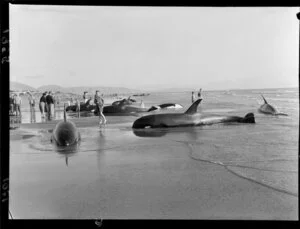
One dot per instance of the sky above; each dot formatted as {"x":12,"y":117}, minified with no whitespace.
{"x":155,"y":47}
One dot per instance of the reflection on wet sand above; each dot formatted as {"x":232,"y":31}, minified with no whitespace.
{"x":67,"y":151}
{"x":32,"y":115}
{"x":192,"y":133}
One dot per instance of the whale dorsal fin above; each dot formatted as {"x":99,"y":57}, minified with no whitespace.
{"x":264,"y":99}
{"x":65,"y":115}
{"x":193,"y":108}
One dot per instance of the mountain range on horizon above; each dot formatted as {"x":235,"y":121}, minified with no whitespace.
{"x":16,"y":86}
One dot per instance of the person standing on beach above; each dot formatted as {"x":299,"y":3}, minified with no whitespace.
{"x":43,"y":104}
{"x":77,"y":104}
{"x":31,"y":101}
{"x":11,"y":104}
{"x":85,"y":96}
{"x":18,"y":103}
{"x":200,"y":93}
{"x":193,"y":97}
{"x":47,"y":105}
{"x":50,"y":105}
{"x":99,"y":102}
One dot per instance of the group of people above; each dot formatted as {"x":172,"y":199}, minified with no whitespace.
{"x":194,"y":96}
{"x":15,"y":102}
{"x":47,"y":105}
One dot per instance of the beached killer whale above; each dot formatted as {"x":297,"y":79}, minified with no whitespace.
{"x":165,"y":106}
{"x":266,"y":108}
{"x":190,"y":118}
{"x":65,"y":132}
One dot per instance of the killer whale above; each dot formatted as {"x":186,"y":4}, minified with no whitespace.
{"x":83,"y":107}
{"x":65,"y":132}
{"x":266,"y":108}
{"x":123,"y":107}
{"x":125,"y":101}
{"x":165,"y":106}
{"x":190,"y":118}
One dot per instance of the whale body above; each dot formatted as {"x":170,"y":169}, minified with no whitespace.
{"x":266,"y":108}
{"x":65,"y":132}
{"x":165,"y":106}
{"x":190,"y":118}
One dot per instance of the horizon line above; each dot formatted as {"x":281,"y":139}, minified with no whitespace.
{"x":184,"y":88}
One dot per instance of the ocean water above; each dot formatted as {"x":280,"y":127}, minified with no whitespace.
{"x":232,"y":171}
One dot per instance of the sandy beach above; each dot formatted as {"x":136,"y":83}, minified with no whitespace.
{"x":230,"y":73}
{"x":117,"y":175}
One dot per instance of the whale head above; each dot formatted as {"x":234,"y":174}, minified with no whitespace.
{"x":65,"y":132}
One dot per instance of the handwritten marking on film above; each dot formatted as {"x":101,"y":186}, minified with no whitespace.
{"x":98,"y":223}
{"x":4,"y":190}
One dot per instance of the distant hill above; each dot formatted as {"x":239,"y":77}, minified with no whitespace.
{"x":15,"y":86}
{"x":90,"y":90}
{"x":102,"y":90}
{"x":53,"y":88}
{"x":173,"y":90}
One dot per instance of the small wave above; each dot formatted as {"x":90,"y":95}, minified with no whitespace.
{"x":265,"y":181}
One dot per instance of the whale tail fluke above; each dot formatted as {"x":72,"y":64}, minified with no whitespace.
{"x":65,"y":115}
{"x":193,"y":108}
{"x":264,"y":99}
{"x":249,"y":118}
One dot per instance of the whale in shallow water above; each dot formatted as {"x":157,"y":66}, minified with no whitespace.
{"x":125,"y":101}
{"x":123,"y":108}
{"x":190,"y":118}
{"x":266,"y":108}
{"x":165,"y":106}
{"x":65,"y":132}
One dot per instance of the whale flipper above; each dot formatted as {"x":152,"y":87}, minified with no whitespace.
{"x":264,"y":99}
{"x":249,"y":118}
{"x":283,"y":114}
{"x":193,"y":108}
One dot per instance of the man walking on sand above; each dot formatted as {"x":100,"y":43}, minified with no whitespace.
{"x":31,"y":100}
{"x":99,"y":107}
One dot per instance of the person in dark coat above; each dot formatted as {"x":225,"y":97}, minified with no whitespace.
{"x":50,"y":105}
{"x":42,"y":104}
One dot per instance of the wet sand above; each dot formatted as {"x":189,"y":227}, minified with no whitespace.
{"x":117,"y":175}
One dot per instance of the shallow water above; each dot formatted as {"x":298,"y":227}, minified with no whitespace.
{"x":233,"y":171}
